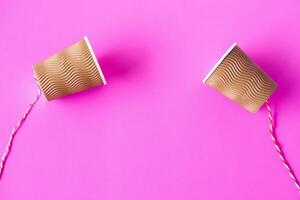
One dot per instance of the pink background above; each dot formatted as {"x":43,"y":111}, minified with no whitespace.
{"x":155,"y":131}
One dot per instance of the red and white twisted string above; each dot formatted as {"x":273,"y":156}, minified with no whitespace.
{"x":278,"y":148}
{"x":15,"y":130}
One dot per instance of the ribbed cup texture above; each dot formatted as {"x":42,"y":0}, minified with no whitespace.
{"x":241,"y":80}
{"x":71,"y":70}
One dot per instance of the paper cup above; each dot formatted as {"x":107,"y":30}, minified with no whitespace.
{"x":237,"y":77}
{"x":69,"y":71}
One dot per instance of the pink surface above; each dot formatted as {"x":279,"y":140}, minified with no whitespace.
{"x":155,"y":131}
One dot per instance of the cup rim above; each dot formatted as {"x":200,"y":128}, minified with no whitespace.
{"x":95,"y":59}
{"x":219,"y":62}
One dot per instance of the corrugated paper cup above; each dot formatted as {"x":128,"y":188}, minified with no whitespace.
{"x":69,"y":71}
{"x":237,"y":77}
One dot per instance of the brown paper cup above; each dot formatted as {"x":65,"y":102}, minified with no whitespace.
{"x":237,"y":77}
{"x":69,"y":71}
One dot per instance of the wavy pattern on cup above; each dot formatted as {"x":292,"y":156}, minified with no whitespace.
{"x":72,"y":70}
{"x":241,"y":80}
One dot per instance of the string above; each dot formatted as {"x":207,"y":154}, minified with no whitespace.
{"x":15,"y":130}
{"x":279,"y":149}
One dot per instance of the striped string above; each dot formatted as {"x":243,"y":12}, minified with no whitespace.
{"x":14,"y":132}
{"x":279,"y":149}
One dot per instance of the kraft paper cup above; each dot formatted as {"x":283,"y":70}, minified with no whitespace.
{"x":69,"y":71}
{"x":237,"y":77}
